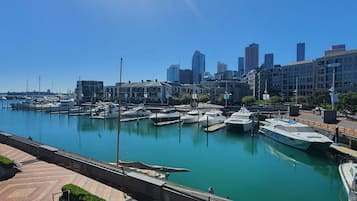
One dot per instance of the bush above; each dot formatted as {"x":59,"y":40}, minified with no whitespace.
{"x":5,"y":162}
{"x":78,"y":194}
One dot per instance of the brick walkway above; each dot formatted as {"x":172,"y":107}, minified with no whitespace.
{"x":39,"y":180}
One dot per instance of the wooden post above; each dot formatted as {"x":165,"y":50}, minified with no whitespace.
{"x":336,"y":135}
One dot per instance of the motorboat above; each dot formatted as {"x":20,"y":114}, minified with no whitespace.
{"x":165,"y":115}
{"x":63,"y":105}
{"x":106,"y":111}
{"x":139,"y":111}
{"x":348,"y":174}
{"x":192,"y":116}
{"x":211,"y":118}
{"x":240,"y":121}
{"x":295,"y":134}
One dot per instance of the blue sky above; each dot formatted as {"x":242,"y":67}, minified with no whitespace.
{"x":61,"y":41}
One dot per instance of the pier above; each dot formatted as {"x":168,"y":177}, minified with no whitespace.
{"x":164,"y":123}
{"x":135,"y":184}
{"x":214,"y":127}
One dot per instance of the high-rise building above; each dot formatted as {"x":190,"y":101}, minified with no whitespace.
{"x":186,"y":76}
{"x":269,"y":60}
{"x":221,"y":67}
{"x":173,"y":73}
{"x":240,"y":66}
{"x":300,"y":52}
{"x":251,"y":57}
{"x":198,"y":66}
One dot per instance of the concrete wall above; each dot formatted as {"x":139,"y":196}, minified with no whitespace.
{"x":137,"y":185}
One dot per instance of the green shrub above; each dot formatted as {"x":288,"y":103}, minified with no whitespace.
{"x":5,"y":162}
{"x":78,"y":194}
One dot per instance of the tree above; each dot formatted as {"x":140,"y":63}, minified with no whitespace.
{"x":275,"y":100}
{"x":203,"y":98}
{"x":248,"y":100}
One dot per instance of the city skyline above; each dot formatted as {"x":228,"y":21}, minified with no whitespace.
{"x":62,"y":42}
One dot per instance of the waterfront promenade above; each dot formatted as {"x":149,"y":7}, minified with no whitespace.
{"x":39,"y":180}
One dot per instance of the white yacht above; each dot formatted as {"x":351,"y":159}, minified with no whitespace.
{"x":349,"y":179}
{"x":191,"y":117}
{"x":240,"y":121}
{"x":139,"y":111}
{"x":106,"y":111}
{"x":212,"y":118}
{"x":292,"y":133}
{"x":63,"y":105}
{"x":170,"y":114}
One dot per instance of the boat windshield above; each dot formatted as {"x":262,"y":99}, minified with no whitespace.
{"x":295,"y":129}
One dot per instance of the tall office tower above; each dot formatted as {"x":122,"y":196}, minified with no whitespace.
{"x":269,"y":60}
{"x":186,"y":76}
{"x":221,"y":67}
{"x":251,"y":57}
{"x":300,"y":52}
{"x":173,"y":73}
{"x":198,"y":67}
{"x":240,"y":66}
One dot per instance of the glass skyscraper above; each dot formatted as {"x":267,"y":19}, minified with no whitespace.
{"x":300,"y":52}
{"x":251,"y":57}
{"x":198,"y":67}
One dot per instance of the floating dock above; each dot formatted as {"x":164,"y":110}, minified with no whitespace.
{"x":214,"y":127}
{"x":344,"y":150}
{"x":167,"y":122}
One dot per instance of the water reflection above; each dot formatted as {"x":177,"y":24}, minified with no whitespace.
{"x":249,"y":143}
{"x":317,"y":160}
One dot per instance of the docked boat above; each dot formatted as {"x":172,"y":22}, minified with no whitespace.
{"x":106,"y":111}
{"x":211,"y":118}
{"x":240,"y":121}
{"x":139,"y":111}
{"x":295,"y":134}
{"x":165,"y":115}
{"x":348,"y":174}
{"x":63,"y":105}
{"x":191,"y":117}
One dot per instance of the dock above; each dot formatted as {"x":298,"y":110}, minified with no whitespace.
{"x":344,"y":150}
{"x":133,"y":119}
{"x":164,"y":123}
{"x":214,"y":127}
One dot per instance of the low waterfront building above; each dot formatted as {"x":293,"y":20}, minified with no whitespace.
{"x":89,"y":91}
{"x":217,"y":88}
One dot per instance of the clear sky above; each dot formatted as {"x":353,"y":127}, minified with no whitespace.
{"x":64,"y":40}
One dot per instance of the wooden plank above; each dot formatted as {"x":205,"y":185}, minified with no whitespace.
{"x":163,"y":123}
{"x":214,"y":127}
{"x":344,"y":150}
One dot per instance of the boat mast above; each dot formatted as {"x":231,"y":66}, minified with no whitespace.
{"x":119,"y":102}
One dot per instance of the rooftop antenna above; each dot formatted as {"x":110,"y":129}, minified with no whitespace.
{"x":119,"y":101}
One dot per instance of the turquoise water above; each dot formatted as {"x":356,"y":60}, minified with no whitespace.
{"x":235,"y":165}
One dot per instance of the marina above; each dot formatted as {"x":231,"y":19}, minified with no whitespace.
{"x":239,"y":157}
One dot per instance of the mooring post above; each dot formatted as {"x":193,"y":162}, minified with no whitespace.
{"x":336,"y":135}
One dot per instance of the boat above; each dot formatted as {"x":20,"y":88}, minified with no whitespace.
{"x":349,"y":179}
{"x":139,"y":111}
{"x":63,"y":105}
{"x":295,"y":134}
{"x":191,"y":117}
{"x":165,"y":115}
{"x":106,"y":111}
{"x":211,"y":118}
{"x":240,"y":121}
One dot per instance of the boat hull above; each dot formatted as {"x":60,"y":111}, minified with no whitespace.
{"x":236,"y":127}
{"x":299,"y":144}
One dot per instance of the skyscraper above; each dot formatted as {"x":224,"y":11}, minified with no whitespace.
{"x":251,"y":57}
{"x":186,"y":76}
{"x":198,"y":66}
{"x":173,"y":73}
{"x":269,"y":60}
{"x":221,"y":67}
{"x":240,"y":66}
{"x":300,"y":52}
